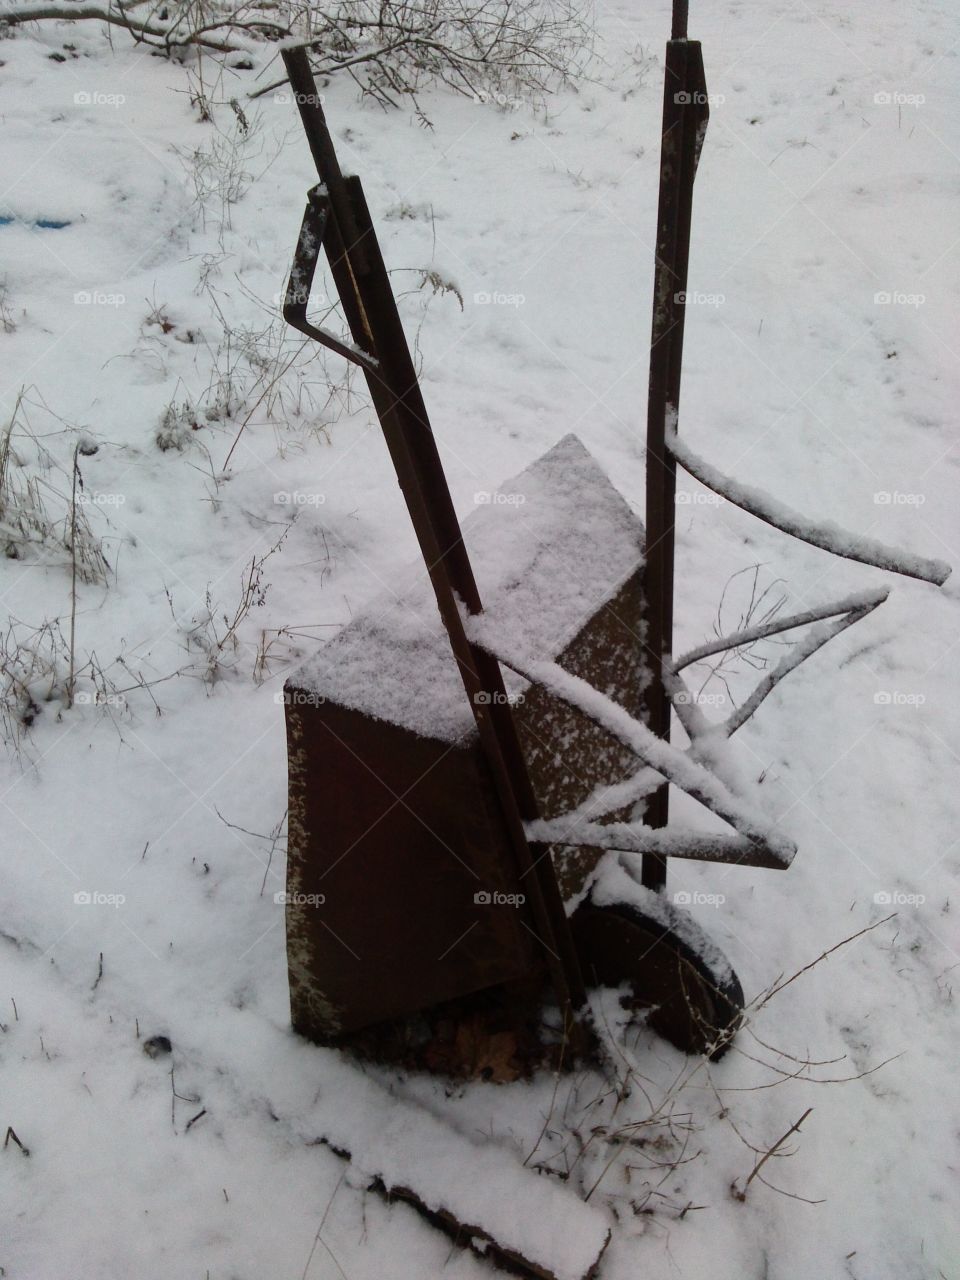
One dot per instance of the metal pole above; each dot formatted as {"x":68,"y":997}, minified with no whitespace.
{"x":684,"y":121}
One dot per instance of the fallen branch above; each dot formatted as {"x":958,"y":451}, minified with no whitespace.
{"x":465,"y":1234}
{"x":506,"y":53}
{"x":141,"y":31}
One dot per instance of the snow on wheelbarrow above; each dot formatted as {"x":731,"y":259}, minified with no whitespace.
{"x":479,"y":766}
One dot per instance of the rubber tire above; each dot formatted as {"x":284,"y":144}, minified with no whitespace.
{"x":689,"y":1006}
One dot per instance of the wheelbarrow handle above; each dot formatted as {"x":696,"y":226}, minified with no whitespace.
{"x":338,"y":219}
{"x":684,"y":123}
{"x":313,"y":229}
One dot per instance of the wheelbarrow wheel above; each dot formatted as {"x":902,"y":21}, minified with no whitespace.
{"x":694,"y":1005}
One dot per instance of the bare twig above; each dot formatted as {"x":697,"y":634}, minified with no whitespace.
{"x":11,"y":1134}
{"x":794,"y":1128}
{"x":781,"y":984}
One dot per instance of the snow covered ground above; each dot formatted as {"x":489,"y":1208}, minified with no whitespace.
{"x":820,"y":364}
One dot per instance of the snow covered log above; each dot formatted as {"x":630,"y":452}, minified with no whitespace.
{"x":475,"y":1191}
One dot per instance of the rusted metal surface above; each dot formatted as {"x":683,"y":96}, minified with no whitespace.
{"x":392,"y":835}
{"x":689,"y":1006}
{"x":568,"y":754}
{"x":685,"y":117}
{"x":400,"y":895}
{"x":377,"y":332}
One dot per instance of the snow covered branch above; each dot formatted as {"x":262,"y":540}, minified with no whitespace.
{"x":827,"y":536}
{"x":167,"y":36}
{"x":507,"y":52}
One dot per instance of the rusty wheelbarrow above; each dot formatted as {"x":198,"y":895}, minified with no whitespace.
{"x":478,"y":792}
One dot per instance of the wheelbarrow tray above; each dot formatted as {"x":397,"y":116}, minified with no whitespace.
{"x":401,"y":888}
